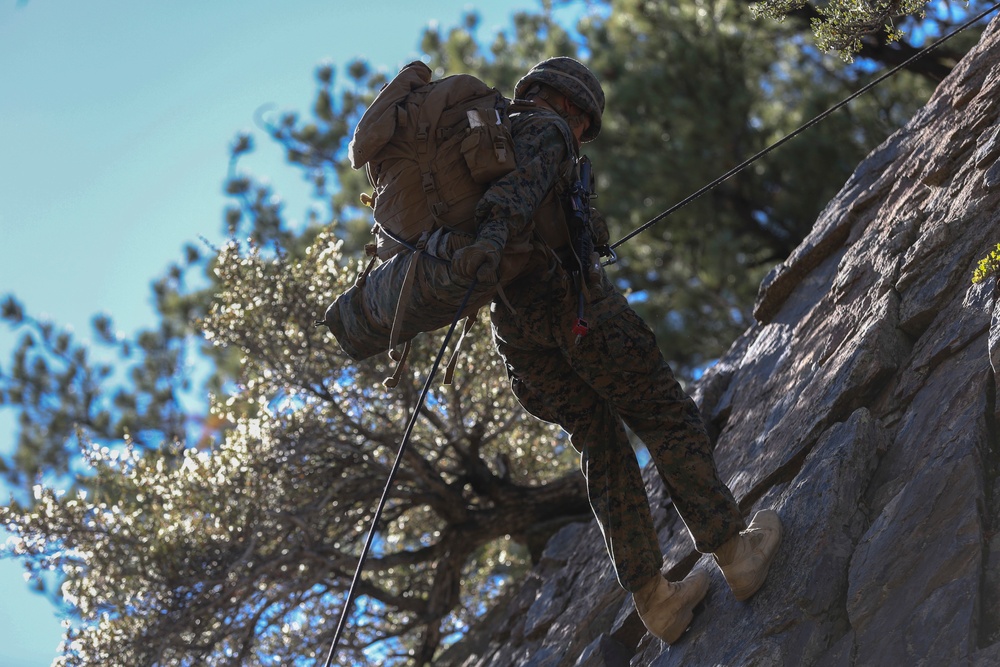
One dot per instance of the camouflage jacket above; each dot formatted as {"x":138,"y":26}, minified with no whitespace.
{"x":529,"y":202}
{"x":529,"y":199}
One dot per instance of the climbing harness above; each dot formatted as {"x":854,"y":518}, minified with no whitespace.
{"x":746,"y":163}
{"x":352,"y":591}
{"x":582,"y":241}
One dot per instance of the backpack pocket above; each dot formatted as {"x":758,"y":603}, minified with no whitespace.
{"x":488,"y":148}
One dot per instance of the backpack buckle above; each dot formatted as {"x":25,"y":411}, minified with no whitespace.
{"x":421,"y":136}
{"x":427,"y":182}
{"x":500,"y":149}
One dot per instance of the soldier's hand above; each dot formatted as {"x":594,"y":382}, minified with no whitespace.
{"x":599,"y":227}
{"x":480,"y":260}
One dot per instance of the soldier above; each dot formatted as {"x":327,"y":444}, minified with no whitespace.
{"x":592,"y":386}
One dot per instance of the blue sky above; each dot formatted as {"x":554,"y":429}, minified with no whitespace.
{"x":115,"y":118}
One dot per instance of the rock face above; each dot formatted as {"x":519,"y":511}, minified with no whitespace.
{"x":862,"y":407}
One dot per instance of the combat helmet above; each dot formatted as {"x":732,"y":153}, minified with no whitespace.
{"x":571,"y":78}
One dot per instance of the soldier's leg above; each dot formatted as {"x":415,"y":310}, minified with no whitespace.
{"x":624,"y":363}
{"x":675,"y":435}
{"x":549,"y":389}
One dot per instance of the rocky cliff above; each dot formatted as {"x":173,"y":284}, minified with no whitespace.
{"x":862,"y":407}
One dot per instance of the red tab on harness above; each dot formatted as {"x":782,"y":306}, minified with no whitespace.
{"x":580,"y":328}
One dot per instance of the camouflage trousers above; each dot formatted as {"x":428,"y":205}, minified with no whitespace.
{"x":616,"y":375}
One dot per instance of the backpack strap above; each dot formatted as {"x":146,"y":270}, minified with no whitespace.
{"x":428,"y":139}
{"x":391,"y":381}
{"x":406,"y":291}
{"x":404,"y":296}
{"x":449,"y":372}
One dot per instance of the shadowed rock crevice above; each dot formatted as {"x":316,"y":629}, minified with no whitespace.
{"x":862,"y":406}
{"x":989,"y":620}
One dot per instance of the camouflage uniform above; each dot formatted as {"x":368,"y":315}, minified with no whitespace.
{"x":616,"y":375}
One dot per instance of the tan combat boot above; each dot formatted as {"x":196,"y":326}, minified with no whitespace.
{"x":746,"y":558}
{"x":666,"y":608}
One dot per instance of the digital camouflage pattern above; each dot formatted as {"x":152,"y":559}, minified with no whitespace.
{"x":526,"y":202}
{"x":614,"y":376}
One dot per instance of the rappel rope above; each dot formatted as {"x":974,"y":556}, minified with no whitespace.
{"x":735,"y":170}
{"x":352,"y":591}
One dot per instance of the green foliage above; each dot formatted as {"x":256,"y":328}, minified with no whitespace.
{"x":693,"y":90}
{"x":988,"y":266}
{"x":841,"y":25}
{"x":246,"y":548}
{"x":61,"y":392}
{"x":844,"y":23}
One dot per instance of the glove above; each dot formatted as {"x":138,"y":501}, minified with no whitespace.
{"x":479,"y":261}
{"x":600,"y":228}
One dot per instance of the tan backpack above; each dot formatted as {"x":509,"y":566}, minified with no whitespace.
{"x":430,"y":150}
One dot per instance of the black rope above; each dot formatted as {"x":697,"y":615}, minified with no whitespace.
{"x":735,"y":170}
{"x":352,"y":591}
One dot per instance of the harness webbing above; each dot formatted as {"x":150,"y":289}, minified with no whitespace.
{"x":746,"y":163}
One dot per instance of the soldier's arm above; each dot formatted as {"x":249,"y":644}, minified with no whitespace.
{"x":509,"y":204}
